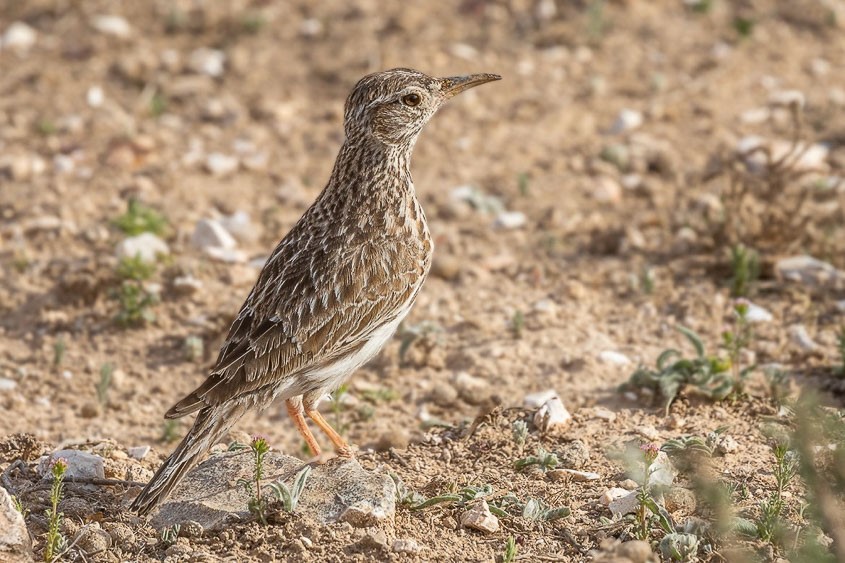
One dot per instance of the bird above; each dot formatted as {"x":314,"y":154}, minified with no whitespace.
{"x":335,"y":288}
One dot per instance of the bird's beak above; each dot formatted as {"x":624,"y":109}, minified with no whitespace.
{"x":454,"y":85}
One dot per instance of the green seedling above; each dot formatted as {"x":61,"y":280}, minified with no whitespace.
{"x":170,"y":534}
{"x":543,"y":459}
{"x":337,"y":408}
{"x":647,"y":507}
{"x":735,"y":341}
{"x":509,"y":556}
{"x":289,"y":497}
{"x":537,"y":510}
{"x":55,"y":541}
{"x":135,"y":305}
{"x":59,"y":351}
{"x":139,"y":218}
{"x":169,"y":431}
{"x":383,"y":395}
{"x":194,"y":348}
{"x":745,"y":265}
{"x":404,"y":495}
{"x":104,"y":384}
{"x":522,"y":180}
{"x":743,"y":26}
{"x":256,"y":505}
{"x":517,"y":324}
{"x":135,"y":268}
{"x":460,"y":497}
{"x":158,"y":104}
{"x":519,"y":430}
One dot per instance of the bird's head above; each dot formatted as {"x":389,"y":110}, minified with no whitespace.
{"x":392,"y":106}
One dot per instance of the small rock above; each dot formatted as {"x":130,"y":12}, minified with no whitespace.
{"x":757,"y":314}
{"x":219,"y":164}
{"x":310,"y":27}
{"x":446,"y":267}
{"x":628,"y":484}
{"x":627,"y":120}
{"x":604,"y":414}
{"x":443,"y":395}
{"x":635,"y":551}
{"x":191,"y":529}
{"x":403,"y":545}
{"x":807,"y":270}
{"x":607,"y":190}
{"x":726,"y":445}
{"x":210,"y":234}
{"x":19,"y":37}
{"x":612,"y":494}
{"x":478,"y":517}
{"x":394,"y":438}
{"x":800,"y":337}
{"x":211,"y":62}
{"x":228,"y":255}
{"x":93,"y":540}
{"x":239,"y":225}
{"x":574,"y":474}
{"x":89,"y":409}
{"x":614,"y":358}
{"x":536,"y":400}
{"x":186,"y":285}
{"x":7,"y":384}
{"x":679,"y":499}
{"x":574,"y":455}
{"x":138,"y":452}
{"x":551,"y":415}
{"x":116,"y":26}
{"x":147,"y":246}
{"x":471,"y":389}
{"x":510,"y":220}
{"x":648,"y":432}
{"x":80,"y":465}
{"x":121,"y":534}
{"x":15,"y":545}
{"x":625,"y":504}
{"x":787,"y":98}
{"x":94,"y":97}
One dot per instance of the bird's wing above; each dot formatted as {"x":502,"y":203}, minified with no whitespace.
{"x":311,"y":303}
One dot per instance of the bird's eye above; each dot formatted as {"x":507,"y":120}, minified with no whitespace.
{"x":411,"y":100}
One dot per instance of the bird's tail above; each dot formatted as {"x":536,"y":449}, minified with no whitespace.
{"x":211,"y":424}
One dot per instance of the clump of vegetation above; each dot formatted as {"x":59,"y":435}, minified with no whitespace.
{"x":519,"y":430}
{"x":169,"y":431}
{"x":517,"y":324}
{"x":59,"y":348}
{"x":104,"y":384}
{"x":289,"y":496}
{"x":840,"y":344}
{"x":135,"y":305}
{"x":259,"y":504}
{"x":135,"y":268}
{"x":55,"y":542}
{"x":170,"y":534}
{"x":745,"y":265}
{"x":139,"y":218}
{"x":509,"y":556}
{"x":194,"y":348}
{"x":544,"y":460}
{"x":648,"y":510}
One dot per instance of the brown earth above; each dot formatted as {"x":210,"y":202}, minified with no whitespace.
{"x":616,"y":249}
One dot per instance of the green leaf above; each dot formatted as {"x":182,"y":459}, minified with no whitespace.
{"x":744,"y":527}
{"x":662,"y":515}
{"x":694,"y":339}
{"x":437,"y":500}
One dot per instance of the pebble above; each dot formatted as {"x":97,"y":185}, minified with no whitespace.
{"x":310,"y":27}
{"x":679,"y":499}
{"x":146,"y":245}
{"x":7,"y":384}
{"x":478,"y":517}
{"x":573,"y":474}
{"x":628,"y":484}
{"x":219,"y":164}
{"x":757,"y":314}
{"x":405,"y":545}
{"x":807,"y":270}
{"x":79,"y":464}
{"x":607,"y":190}
{"x":614,"y":358}
{"x":603,"y":413}
{"x":799,"y":336}
{"x":536,"y":400}
{"x":93,"y":540}
{"x":396,"y":437}
{"x":228,"y":255}
{"x":446,"y":267}
{"x":726,"y":445}
{"x":443,"y":395}
{"x":186,"y":285}
{"x":138,"y":452}
{"x":625,"y":504}
{"x":627,"y":120}
{"x":94,"y":96}
{"x":89,"y":409}
{"x":471,"y":389}
{"x":612,"y":494}
{"x":551,"y":415}
{"x":788,"y":98}
{"x":121,"y":534}
{"x":211,"y":62}
{"x":18,"y":36}
{"x":240,"y":226}
{"x":209,"y":233}
{"x":116,"y":26}
{"x":510,"y":220}
{"x":574,"y":455}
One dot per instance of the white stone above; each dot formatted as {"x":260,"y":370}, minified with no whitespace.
{"x":211,"y":62}
{"x":755,"y":116}
{"x":625,"y":504}
{"x":15,"y":545}
{"x":612,"y":494}
{"x":536,"y":400}
{"x":574,"y":474}
{"x":138,"y":452}
{"x":614,"y":358}
{"x":478,"y":517}
{"x":405,"y":545}
{"x":18,"y":36}
{"x":146,"y":245}
{"x":187,"y":285}
{"x":510,"y":220}
{"x":662,"y":472}
{"x":228,"y":255}
{"x":627,"y":120}
{"x":840,"y":306}
{"x":807,"y":270}
{"x":239,"y":224}
{"x":112,"y":25}
{"x":606,"y":190}
{"x":787,"y":98}
{"x":551,"y":415}
{"x":219,"y":164}
{"x":80,"y":465}
{"x":603,"y":413}
{"x":94,"y":96}
{"x":211,"y":234}
{"x":799,"y":336}
{"x":7,"y":384}
{"x":757,"y":314}
{"x":311,"y":27}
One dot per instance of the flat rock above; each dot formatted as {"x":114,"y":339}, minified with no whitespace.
{"x":478,"y":517}
{"x":536,"y":400}
{"x":15,"y":545}
{"x":147,"y":246}
{"x":553,"y":414}
{"x":80,"y":465}
{"x":808,"y":270}
{"x":211,"y":234}
{"x":337,"y":491}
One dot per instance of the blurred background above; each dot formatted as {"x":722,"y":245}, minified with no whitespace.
{"x":640,"y":165}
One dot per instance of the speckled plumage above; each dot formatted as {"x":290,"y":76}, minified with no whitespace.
{"x":337,"y":285}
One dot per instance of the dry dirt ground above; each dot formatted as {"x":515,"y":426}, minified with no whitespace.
{"x":618,"y":245}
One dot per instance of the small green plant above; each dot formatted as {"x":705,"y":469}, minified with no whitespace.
{"x":139,"y":218}
{"x":194,"y":348}
{"x":135,"y":268}
{"x":257,"y":505}
{"x":509,"y":556}
{"x":289,"y":497}
{"x":680,"y":547}
{"x":700,"y":6}
{"x":158,"y":104}
{"x":460,"y":497}
{"x":543,"y":459}
{"x":338,"y":408}
{"x":135,"y":305}
{"x":745,"y":266}
{"x":647,"y":508}
{"x":46,"y":127}
{"x":743,"y":26}
{"x":169,"y":430}
{"x":519,"y":429}
{"x":517,"y":324}
{"x":522,"y":180}
{"x":59,"y":348}
{"x":537,"y":510}
{"x":19,"y":506}
{"x":55,"y":541}
{"x":710,"y":376}
{"x":840,"y":344}
{"x":170,"y":534}
{"x":404,"y":495}
{"x":104,"y":384}
{"x":735,"y":341}
{"x":381,"y":395}
{"x":253,"y":22}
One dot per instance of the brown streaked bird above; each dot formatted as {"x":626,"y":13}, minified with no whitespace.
{"x":337,"y":285}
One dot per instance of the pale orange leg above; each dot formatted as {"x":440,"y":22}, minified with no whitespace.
{"x":295,"y":413}
{"x":341,"y":447}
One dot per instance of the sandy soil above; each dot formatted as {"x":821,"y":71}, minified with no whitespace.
{"x":615,"y":250}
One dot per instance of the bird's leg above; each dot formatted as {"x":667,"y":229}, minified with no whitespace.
{"x":341,"y":446}
{"x":294,"y":406}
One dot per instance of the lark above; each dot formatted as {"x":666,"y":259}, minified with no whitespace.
{"x":338,"y":284}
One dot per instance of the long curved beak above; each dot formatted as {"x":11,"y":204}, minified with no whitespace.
{"x":454,"y":85}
